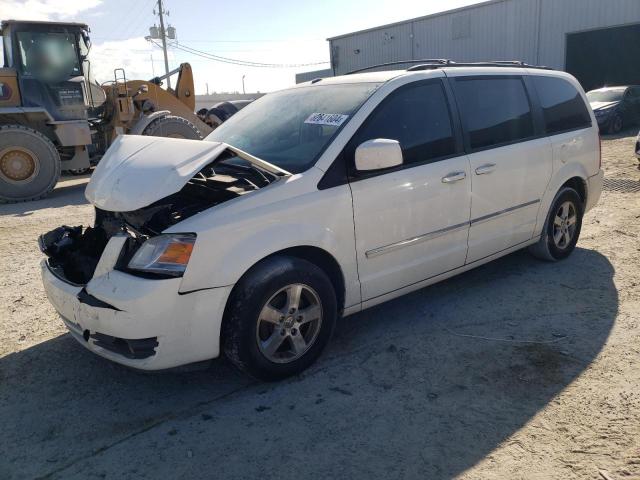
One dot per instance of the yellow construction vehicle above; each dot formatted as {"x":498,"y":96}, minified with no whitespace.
{"x":53,"y":117}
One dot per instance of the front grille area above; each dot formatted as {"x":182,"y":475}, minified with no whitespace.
{"x":621,"y":185}
{"x":133,"y":349}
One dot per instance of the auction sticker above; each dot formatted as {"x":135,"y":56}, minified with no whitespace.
{"x":332,"y":119}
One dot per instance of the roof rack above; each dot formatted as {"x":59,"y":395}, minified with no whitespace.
{"x":493,"y":63}
{"x":432,"y":64}
{"x":434,"y":61}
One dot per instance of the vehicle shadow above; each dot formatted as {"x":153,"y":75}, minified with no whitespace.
{"x":70,"y":192}
{"x":424,"y":386}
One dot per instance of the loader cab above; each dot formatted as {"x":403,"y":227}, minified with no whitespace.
{"x":49,"y":60}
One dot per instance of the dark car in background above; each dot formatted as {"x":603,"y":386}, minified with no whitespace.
{"x":615,"y":107}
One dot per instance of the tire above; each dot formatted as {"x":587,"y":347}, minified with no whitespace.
{"x":174,"y":127}
{"x":548,"y":247}
{"x":257,"y":312}
{"x":35,"y":164}
{"x":616,"y":125}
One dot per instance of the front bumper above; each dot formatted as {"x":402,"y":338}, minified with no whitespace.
{"x":165,"y":328}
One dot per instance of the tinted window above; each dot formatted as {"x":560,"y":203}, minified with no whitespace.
{"x":562,"y":105}
{"x":418,"y":117}
{"x":496,"y":111}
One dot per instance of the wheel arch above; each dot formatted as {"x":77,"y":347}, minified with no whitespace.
{"x":321,"y":258}
{"x":571,"y":175}
{"x":579,"y":185}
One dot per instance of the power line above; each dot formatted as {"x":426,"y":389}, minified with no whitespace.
{"x":235,"y":61}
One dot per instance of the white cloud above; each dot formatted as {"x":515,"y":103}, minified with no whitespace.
{"x":133,"y":54}
{"x":45,"y":9}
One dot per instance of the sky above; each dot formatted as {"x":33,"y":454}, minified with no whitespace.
{"x":281,"y":32}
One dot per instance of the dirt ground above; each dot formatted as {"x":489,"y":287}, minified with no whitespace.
{"x":516,"y":370}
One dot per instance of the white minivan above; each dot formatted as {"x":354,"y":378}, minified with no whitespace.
{"x":317,"y":202}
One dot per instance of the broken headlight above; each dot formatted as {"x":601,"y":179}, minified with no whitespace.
{"x":164,"y":254}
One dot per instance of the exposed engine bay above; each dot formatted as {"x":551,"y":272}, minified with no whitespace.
{"x":74,"y":252}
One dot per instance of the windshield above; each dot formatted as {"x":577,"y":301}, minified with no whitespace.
{"x":613,"y":95}
{"x":291,"y":128}
{"x":49,"y":56}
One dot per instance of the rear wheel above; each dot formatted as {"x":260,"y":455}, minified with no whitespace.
{"x":279,"y":318}
{"x":173,"y":127}
{"x":616,"y":124}
{"x":29,"y":164}
{"x":562,"y":229}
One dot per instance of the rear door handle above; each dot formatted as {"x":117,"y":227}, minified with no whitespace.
{"x":454,"y":177}
{"x":485,"y":169}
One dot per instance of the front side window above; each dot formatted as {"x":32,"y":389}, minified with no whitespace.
{"x":49,"y":56}
{"x":291,"y":128}
{"x":562,"y":106}
{"x":418,"y":117}
{"x":495,"y":110}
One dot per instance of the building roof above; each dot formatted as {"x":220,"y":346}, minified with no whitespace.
{"x":432,"y":15}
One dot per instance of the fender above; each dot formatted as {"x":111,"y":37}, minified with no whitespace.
{"x":232,"y":239}
{"x":566,"y":172}
{"x":144,"y":121}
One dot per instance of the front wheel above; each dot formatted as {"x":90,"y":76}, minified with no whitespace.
{"x":562,"y":230}
{"x":279,"y":318}
{"x":29,"y":164}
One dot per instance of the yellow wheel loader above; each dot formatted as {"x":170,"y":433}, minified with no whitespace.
{"x":54,"y":118}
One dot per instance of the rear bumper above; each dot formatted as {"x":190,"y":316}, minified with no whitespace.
{"x":141,"y":323}
{"x":594,"y":190}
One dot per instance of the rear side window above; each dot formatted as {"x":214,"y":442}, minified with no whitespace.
{"x":562,"y":106}
{"x":495,"y":110}
{"x":418,"y":117}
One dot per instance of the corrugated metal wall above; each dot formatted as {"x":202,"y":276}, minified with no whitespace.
{"x":533,"y":31}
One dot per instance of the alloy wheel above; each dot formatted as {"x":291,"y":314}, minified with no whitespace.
{"x":564,"y":225}
{"x":289,"y":323}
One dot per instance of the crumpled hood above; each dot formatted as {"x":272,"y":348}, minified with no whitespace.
{"x":602,"y":105}
{"x":138,"y":170}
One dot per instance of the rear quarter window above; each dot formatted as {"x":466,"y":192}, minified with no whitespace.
{"x":562,"y":105}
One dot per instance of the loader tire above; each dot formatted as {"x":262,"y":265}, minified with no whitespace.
{"x":173,"y":127}
{"x":29,"y":164}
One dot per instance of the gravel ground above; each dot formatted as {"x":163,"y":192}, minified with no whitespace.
{"x":518,"y":369}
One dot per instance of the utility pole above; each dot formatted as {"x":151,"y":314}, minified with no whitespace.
{"x":163,"y":36}
{"x":243,"y":84}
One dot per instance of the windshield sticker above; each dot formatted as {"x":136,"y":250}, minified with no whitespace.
{"x":332,"y":119}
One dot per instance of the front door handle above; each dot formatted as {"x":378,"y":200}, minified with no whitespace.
{"x":454,"y":177}
{"x":485,"y":169}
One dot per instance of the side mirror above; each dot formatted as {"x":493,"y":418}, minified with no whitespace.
{"x":378,"y":154}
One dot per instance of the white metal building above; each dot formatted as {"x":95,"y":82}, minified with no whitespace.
{"x":596,"y":40}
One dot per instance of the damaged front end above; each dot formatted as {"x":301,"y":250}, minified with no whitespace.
{"x":74,"y":252}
